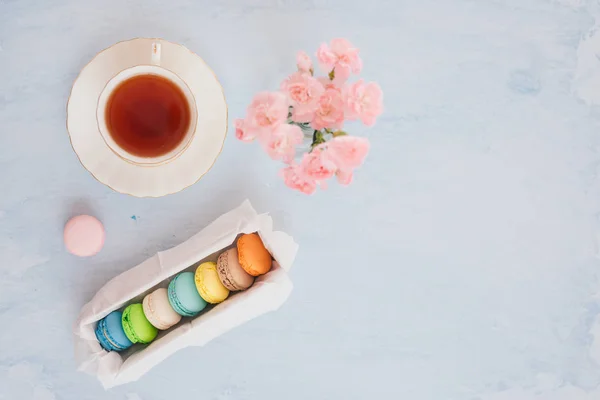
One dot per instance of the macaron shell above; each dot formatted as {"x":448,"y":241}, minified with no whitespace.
{"x":114,"y":331}
{"x":136,"y":326}
{"x":158,"y":310}
{"x":84,"y":235}
{"x":184,"y":297}
{"x":175,"y":303}
{"x":253,"y":256}
{"x":110,"y":334}
{"x":208,"y":283}
{"x":127,"y":326}
{"x":102,"y":337}
{"x":231,"y":273}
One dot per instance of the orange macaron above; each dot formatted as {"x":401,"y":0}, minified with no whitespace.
{"x":252,"y":255}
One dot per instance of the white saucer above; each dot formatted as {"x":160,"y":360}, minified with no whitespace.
{"x":134,"y":179}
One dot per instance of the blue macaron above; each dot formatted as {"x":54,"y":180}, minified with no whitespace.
{"x":110,"y":333}
{"x":184,"y":296}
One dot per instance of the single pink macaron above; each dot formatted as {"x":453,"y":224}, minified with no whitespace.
{"x":84,"y":236}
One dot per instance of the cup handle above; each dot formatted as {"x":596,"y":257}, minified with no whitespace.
{"x":155,"y":53}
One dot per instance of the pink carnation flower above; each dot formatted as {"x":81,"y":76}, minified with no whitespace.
{"x":267,"y":111}
{"x":295,"y":179}
{"x":344,"y":177}
{"x":304,"y":92}
{"x":340,"y":56}
{"x":330,"y":111}
{"x":303,"y":62}
{"x":317,"y":165}
{"x":328,"y":84}
{"x":348,"y":152}
{"x":242,"y":133}
{"x":281,"y":143}
{"x":363,"y":101}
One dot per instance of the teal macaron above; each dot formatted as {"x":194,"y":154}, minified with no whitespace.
{"x":184,"y":296}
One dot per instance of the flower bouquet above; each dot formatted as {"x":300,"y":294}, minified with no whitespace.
{"x":312,"y":110}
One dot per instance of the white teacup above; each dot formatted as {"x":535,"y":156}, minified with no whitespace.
{"x":127,"y":173}
{"x":154,"y":69}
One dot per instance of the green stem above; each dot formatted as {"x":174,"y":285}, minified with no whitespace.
{"x":317,"y":139}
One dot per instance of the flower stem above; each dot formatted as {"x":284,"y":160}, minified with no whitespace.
{"x":317,"y":139}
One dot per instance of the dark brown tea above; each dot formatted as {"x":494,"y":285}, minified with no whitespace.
{"x":148,"y":115}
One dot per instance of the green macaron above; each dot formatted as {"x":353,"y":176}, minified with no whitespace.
{"x":136,"y":326}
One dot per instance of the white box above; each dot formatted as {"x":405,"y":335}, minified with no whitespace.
{"x":268,"y":293}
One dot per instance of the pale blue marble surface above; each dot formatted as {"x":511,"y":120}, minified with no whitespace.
{"x":478,"y":209}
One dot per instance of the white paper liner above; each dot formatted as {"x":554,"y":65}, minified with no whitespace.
{"x":267,"y":293}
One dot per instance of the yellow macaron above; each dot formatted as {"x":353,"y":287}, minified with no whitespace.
{"x":208,"y":283}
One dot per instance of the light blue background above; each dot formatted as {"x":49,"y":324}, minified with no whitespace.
{"x":462,"y":263}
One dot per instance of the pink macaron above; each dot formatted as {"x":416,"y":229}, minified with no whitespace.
{"x":84,"y":236}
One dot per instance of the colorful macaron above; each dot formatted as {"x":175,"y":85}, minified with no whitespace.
{"x":84,"y":235}
{"x":158,"y":310}
{"x":184,"y":297}
{"x":110,"y":333}
{"x":231,"y":273}
{"x":136,"y":326}
{"x":254,"y":258}
{"x":208,"y":283}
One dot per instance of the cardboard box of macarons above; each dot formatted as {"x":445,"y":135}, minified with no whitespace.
{"x":230,"y":272}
